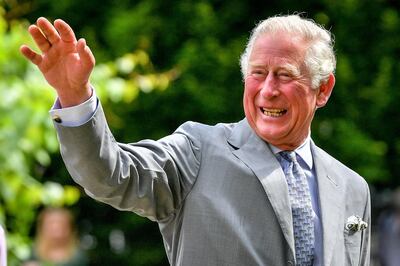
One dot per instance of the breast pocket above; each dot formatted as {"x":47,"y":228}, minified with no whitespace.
{"x":352,"y":245}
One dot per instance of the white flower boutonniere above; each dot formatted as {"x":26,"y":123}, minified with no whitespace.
{"x":355,"y":223}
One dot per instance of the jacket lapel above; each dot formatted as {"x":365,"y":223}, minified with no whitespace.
{"x":331,"y":193}
{"x":256,"y":154}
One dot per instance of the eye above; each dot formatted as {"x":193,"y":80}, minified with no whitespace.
{"x":258,"y":73}
{"x":284,"y":75}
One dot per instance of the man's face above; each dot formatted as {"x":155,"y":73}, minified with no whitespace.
{"x":278,"y":100}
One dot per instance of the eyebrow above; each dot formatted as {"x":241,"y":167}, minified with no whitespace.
{"x":294,"y":70}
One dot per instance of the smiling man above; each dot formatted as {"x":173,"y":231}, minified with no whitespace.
{"x":279,"y":101}
{"x":255,"y":192}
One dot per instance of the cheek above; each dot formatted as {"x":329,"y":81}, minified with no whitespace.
{"x":250,"y":89}
{"x":303,"y":97}
{"x":305,"y":106}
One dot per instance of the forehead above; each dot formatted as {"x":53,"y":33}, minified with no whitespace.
{"x":272,"y":48}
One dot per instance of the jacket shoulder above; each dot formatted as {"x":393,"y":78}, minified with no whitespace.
{"x":204,"y":132}
{"x":351,"y":179}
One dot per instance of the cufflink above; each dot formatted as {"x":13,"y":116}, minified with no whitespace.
{"x":57,"y":119}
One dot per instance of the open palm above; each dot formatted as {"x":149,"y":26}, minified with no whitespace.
{"x":65,"y":62}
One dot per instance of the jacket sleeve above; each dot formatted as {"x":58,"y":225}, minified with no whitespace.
{"x":149,"y":177}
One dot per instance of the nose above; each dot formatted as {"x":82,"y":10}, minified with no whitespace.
{"x":269,"y":88}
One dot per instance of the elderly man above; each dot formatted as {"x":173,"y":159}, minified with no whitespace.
{"x":255,"y":192}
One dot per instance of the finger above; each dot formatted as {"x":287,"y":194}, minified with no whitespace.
{"x":48,"y":29}
{"x":66,"y":32}
{"x":86,"y":55}
{"x":31,"y":55}
{"x":40,"y":40}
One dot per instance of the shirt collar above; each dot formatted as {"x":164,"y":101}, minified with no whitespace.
{"x":304,"y":151}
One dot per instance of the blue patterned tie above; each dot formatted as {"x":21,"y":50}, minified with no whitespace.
{"x":300,"y":200}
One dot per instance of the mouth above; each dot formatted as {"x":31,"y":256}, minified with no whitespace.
{"x":273,"y":112}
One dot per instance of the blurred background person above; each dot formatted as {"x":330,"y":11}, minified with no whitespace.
{"x":3,"y":247}
{"x":389,"y":233}
{"x":56,"y":241}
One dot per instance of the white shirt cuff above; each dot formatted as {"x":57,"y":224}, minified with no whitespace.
{"x":75,"y":115}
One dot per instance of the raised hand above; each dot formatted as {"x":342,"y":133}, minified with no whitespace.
{"x":65,"y":62}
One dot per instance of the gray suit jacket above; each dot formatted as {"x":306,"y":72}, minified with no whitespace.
{"x":217,"y":192}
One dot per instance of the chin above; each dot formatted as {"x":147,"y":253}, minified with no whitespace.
{"x":267,"y":136}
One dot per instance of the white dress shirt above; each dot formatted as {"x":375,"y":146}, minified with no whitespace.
{"x":75,"y":115}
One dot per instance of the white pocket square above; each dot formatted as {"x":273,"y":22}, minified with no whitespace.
{"x":355,"y":223}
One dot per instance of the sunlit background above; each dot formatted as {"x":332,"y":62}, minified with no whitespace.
{"x":163,"y":62}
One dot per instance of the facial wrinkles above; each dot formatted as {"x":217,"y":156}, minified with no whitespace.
{"x":283,"y":57}
{"x":305,"y":121}
{"x":289,"y":53}
{"x":293,"y":70}
{"x":296,"y":135}
{"x":279,"y":65}
{"x":289,"y":68}
{"x":291,"y":139}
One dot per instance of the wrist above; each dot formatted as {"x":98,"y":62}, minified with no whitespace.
{"x":75,"y":97}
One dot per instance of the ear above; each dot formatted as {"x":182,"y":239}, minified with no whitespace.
{"x":324,"y":91}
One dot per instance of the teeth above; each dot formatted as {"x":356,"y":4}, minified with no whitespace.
{"x":273,"y":112}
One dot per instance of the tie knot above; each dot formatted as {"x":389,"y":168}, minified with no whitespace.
{"x":289,"y":156}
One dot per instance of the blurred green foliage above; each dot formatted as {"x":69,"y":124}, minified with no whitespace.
{"x":27,"y":137}
{"x":26,"y":141}
{"x":161,"y":63}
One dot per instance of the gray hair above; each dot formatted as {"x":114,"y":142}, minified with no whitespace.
{"x":320,"y":57}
